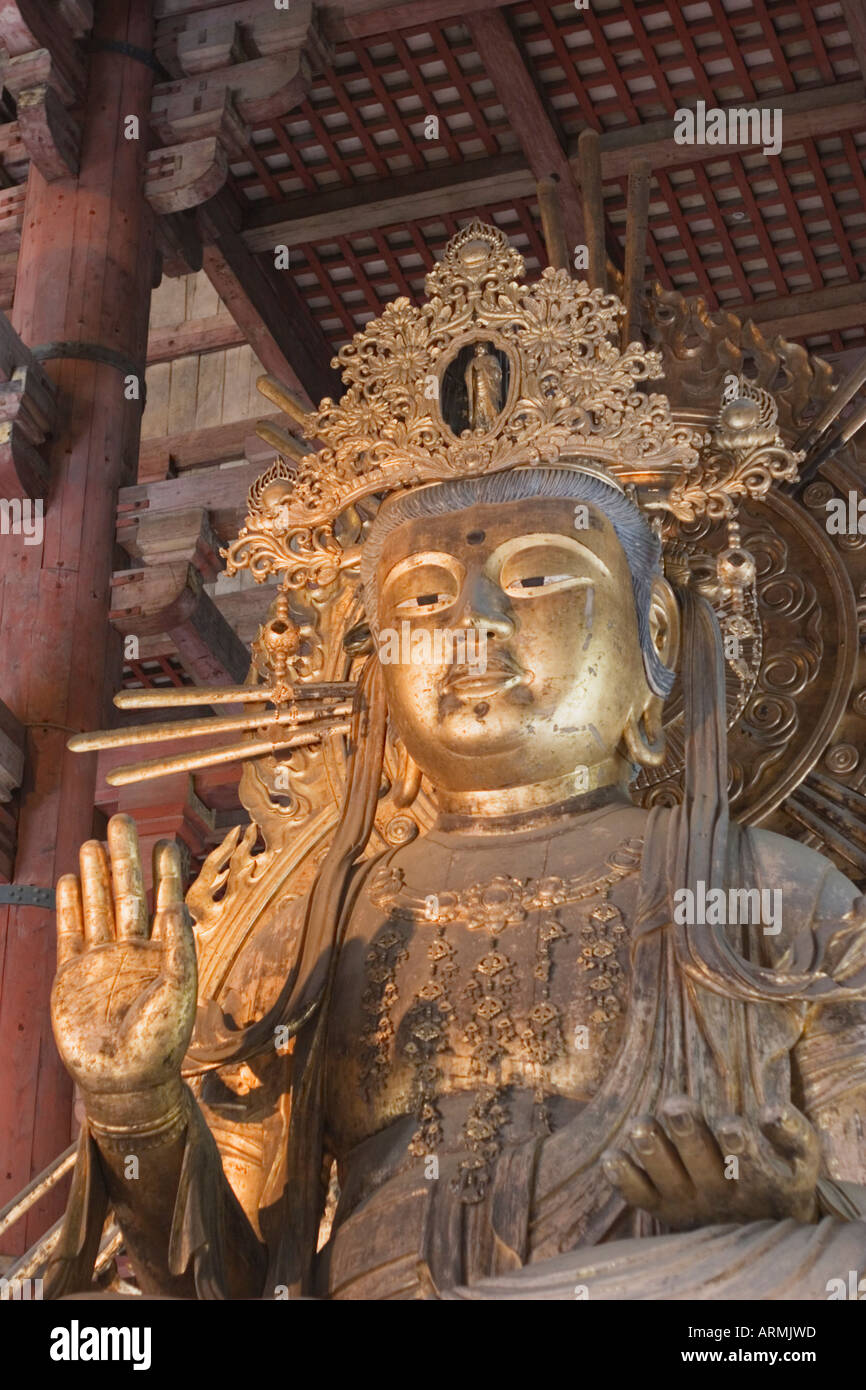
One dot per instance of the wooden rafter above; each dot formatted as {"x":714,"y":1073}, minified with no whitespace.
{"x":265,"y":304}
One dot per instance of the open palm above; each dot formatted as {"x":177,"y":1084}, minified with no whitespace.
{"x":124,"y":996}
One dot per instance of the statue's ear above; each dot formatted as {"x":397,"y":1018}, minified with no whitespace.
{"x":664,"y":616}
{"x":644,"y":737}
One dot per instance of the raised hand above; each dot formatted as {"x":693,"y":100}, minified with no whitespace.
{"x":124,"y":996}
{"x":683,"y":1175}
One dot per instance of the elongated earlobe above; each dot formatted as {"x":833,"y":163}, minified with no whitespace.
{"x":643,"y":736}
{"x":408,"y":782}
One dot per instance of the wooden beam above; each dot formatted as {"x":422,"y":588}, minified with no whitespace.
{"x":222,"y":487}
{"x":527,"y":114}
{"x":211,"y":334}
{"x":266,"y":305}
{"x":639,"y":176}
{"x":213,"y":444}
{"x":816,"y":112}
{"x":589,"y":155}
{"x":550,"y":209}
{"x":216,"y":784}
{"x":265,"y":63}
{"x":812,"y":311}
{"x":45,"y":71}
{"x":381,"y":203}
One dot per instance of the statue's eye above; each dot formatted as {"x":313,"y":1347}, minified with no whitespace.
{"x":424,"y":603}
{"x":531,"y":583}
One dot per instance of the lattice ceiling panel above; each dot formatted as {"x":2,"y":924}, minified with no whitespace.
{"x":738,"y":229}
{"x":365,"y":118}
{"x":625,"y":62}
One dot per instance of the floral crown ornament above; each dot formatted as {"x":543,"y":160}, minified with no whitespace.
{"x":488,"y":374}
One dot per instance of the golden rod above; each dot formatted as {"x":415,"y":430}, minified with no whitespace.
{"x":275,"y":391}
{"x":227,"y":694}
{"x":281,"y":440}
{"x":192,"y":728}
{"x":233,"y":752}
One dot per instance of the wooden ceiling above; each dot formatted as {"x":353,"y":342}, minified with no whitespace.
{"x":364,"y":201}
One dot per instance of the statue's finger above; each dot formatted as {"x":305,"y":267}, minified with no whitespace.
{"x":130,"y":899}
{"x":632,"y":1184}
{"x":694,"y":1142}
{"x":661,"y":1162}
{"x":70,"y":919}
{"x":167,"y":882}
{"x":788,"y":1130}
{"x":758,"y":1168}
{"x":96,"y":899}
{"x":178,"y":945}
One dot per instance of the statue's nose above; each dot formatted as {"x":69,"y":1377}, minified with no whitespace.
{"x":484,"y":606}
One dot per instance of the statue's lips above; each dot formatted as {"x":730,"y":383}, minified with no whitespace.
{"x":468,"y":682}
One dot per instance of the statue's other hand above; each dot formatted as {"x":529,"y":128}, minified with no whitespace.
{"x":688,"y":1173}
{"x":124,"y":996}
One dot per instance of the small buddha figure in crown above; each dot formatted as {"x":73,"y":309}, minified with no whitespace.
{"x":483,"y":388}
{"x":529,"y":1070}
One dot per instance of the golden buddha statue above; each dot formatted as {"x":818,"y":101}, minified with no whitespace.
{"x":487,"y":1023}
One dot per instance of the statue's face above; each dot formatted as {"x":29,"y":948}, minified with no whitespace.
{"x":509,"y":642}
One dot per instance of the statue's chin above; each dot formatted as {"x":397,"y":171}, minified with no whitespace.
{"x":476,"y":765}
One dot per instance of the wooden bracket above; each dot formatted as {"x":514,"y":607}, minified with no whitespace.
{"x":45,"y":71}
{"x":171,"y":598}
{"x":27,"y":410}
{"x":184,"y":176}
{"x":212,"y":39}
{"x":177,"y":118}
{"x":50,"y":134}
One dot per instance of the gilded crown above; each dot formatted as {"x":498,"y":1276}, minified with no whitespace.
{"x":487,"y":374}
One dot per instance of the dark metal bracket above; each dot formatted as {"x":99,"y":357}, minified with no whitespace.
{"x":25,"y":895}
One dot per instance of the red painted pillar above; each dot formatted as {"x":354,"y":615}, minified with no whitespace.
{"x":84,"y":276}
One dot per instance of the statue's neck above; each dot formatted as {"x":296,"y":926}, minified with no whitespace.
{"x":514,"y":808}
